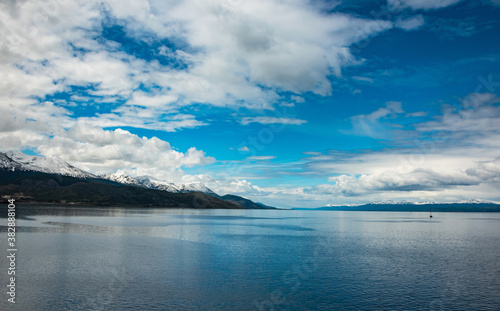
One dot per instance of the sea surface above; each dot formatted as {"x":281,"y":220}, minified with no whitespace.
{"x":178,"y":259}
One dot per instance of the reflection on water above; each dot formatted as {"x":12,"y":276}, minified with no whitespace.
{"x":174,"y":259}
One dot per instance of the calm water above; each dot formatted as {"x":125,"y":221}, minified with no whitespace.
{"x":157,"y":259}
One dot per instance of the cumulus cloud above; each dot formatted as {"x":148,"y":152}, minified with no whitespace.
{"x":252,"y":41}
{"x":428,"y":178}
{"x":417,"y":180}
{"x":223,"y":185}
{"x":51,"y":130}
{"x":104,"y":151}
{"x":26,"y":124}
{"x":230,"y":50}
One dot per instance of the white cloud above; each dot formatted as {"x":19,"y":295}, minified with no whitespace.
{"x":271,"y":120}
{"x":363,"y":79}
{"x":138,"y":117}
{"x":231,"y":52}
{"x":417,"y":114}
{"x":52,"y":132}
{"x":473,"y":125}
{"x":110,"y":72}
{"x":371,"y":124}
{"x":247,"y":44}
{"x":410,"y":23}
{"x":224,"y":186}
{"x":261,"y":158}
{"x":298,"y":99}
{"x":146,"y":100}
{"x":384,"y":175}
{"x":104,"y":151}
{"x":416,"y":180}
{"x":486,"y":170}
{"x":421,"y":4}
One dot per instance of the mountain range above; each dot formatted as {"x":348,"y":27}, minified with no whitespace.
{"x":473,"y":205}
{"x":52,"y":180}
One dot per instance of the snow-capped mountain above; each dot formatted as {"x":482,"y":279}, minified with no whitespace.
{"x":195,"y":187}
{"x":392,"y":202}
{"x":122,"y":178}
{"x":472,"y":201}
{"x":153,"y":183}
{"x":337,"y":205}
{"x":406,"y":202}
{"x":7,"y":164}
{"x":18,"y":161}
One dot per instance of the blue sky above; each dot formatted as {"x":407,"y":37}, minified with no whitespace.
{"x":291,"y":103}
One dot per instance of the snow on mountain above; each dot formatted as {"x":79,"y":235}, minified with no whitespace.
{"x":391,"y":202}
{"x":6,"y":163}
{"x":405,"y":202}
{"x":472,"y":201}
{"x":338,"y":205}
{"x":145,"y":180}
{"x":195,"y":187}
{"x":153,"y":183}
{"x":18,"y":161}
{"x":122,"y":178}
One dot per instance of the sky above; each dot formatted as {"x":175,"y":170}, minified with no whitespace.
{"x":296,"y":103}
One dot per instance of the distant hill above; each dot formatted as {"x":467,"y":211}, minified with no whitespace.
{"x":475,"y":205}
{"x":245,"y":203}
